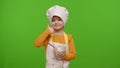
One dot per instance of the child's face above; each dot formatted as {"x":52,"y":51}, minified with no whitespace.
{"x":57,"y":23}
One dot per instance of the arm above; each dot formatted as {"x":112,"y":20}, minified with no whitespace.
{"x":42,"y":38}
{"x":72,"y":51}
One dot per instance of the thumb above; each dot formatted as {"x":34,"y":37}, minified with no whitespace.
{"x":51,"y":29}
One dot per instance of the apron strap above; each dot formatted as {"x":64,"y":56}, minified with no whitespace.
{"x":66,"y":38}
{"x":51,"y":37}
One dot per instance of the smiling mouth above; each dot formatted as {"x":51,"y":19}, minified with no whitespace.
{"x":56,"y":25}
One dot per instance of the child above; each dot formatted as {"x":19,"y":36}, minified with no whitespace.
{"x":59,"y":46}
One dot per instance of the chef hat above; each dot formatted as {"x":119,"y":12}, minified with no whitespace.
{"x":57,"y":11}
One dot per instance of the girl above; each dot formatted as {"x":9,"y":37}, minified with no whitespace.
{"x":59,"y":46}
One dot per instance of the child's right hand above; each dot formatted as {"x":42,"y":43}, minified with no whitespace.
{"x":51,"y":28}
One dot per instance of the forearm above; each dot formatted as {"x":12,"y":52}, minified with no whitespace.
{"x":69,"y":56}
{"x":41,"y":39}
{"x":72,"y":51}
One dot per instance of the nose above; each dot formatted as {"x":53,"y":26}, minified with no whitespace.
{"x":56,"y":21}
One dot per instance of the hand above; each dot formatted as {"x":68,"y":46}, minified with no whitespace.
{"x":58,"y":54}
{"x":51,"y":28}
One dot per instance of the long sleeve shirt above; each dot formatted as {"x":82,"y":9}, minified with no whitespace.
{"x":44,"y":38}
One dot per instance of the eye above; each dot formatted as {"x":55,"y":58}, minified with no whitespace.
{"x":59,"y":19}
{"x":53,"y":20}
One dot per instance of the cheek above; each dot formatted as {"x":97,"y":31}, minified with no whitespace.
{"x":52,"y":23}
{"x":61,"y":23}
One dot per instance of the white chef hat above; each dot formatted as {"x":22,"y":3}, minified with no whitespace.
{"x":57,"y":11}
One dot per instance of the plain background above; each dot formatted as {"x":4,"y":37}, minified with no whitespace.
{"x":94,"y":24}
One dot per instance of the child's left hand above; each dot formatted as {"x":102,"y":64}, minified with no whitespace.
{"x":58,"y":54}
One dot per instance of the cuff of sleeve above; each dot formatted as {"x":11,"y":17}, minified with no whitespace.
{"x":47,"y":31}
{"x":64,"y":57}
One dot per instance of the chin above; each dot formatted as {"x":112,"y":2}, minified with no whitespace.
{"x":57,"y":29}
